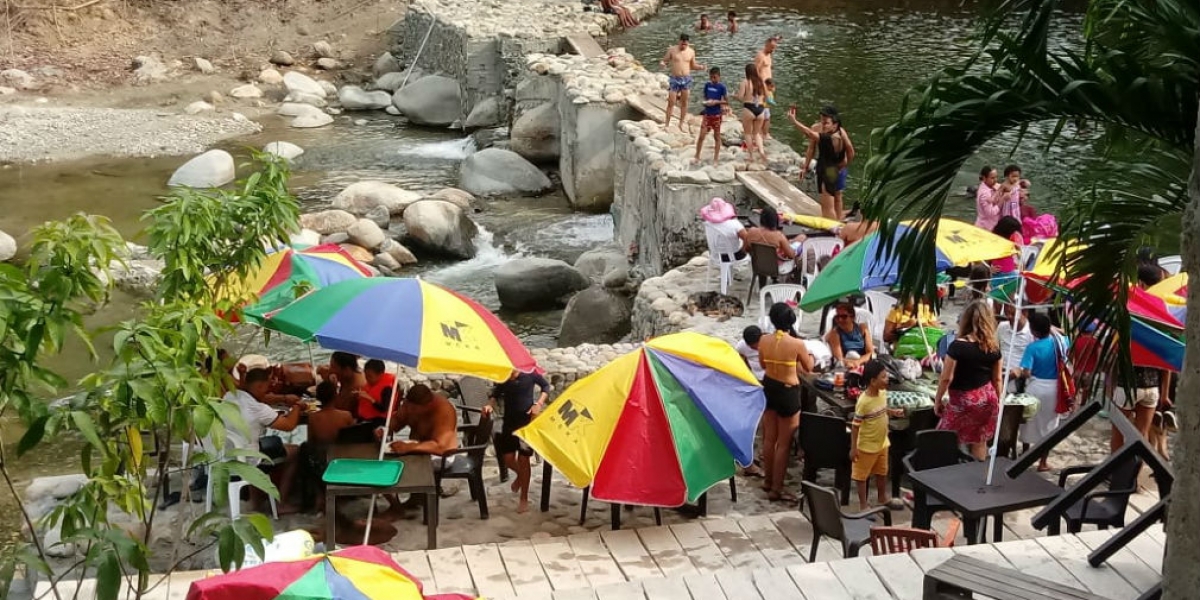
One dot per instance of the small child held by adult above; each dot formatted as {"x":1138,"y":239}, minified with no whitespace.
{"x":869,"y":437}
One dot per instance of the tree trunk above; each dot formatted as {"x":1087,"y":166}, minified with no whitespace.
{"x":1181,"y":578}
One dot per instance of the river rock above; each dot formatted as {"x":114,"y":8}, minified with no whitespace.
{"x":328,"y":221}
{"x":17,"y":78}
{"x":306,"y":237}
{"x":537,"y":283}
{"x":323,"y":49}
{"x":248,"y":90}
{"x":282,"y":59}
{"x":339,"y":238}
{"x":8,"y":247}
{"x":357,"y":252}
{"x":485,"y":114}
{"x":440,"y":227}
{"x":403,"y":255}
{"x":313,"y":117}
{"x":386,"y":63}
{"x":137,"y":276}
{"x":198,"y":107}
{"x":292,"y":109}
{"x":306,"y":98}
{"x":299,"y":82}
{"x":270,"y":77}
{"x":214,"y":168}
{"x":493,"y":171}
{"x":360,"y":197}
{"x":330,"y":89}
{"x":595,"y":264}
{"x":596,"y":316}
{"x":379,"y":216}
{"x":148,"y":69}
{"x":433,"y":101}
{"x":365,"y":233}
{"x":203,"y":65}
{"x":353,"y":97}
{"x":535,"y":134}
{"x":328,"y":64}
{"x":386,"y":263}
{"x":392,"y":110}
{"x":285,"y":150}
{"x":460,"y":197}
{"x":389,"y":82}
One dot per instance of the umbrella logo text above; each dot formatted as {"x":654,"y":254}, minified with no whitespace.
{"x":568,"y":414}
{"x":454,"y":332}
{"x":956,"y":238}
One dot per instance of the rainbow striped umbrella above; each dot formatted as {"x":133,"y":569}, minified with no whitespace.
{"x":408,"y":321}
{"x":358,"y":573}
{"x":290,"y":272}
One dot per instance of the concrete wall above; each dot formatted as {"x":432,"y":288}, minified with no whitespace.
{"x":586,"y":159}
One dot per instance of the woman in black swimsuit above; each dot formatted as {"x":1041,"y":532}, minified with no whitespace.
{"x":753,"y":94}
{"x":834,"y":153}
{"x":783,"y":359}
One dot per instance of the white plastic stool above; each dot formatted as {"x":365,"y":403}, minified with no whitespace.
{"x":234,"y":490}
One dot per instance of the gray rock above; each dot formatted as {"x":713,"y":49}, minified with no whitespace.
{"x":389,"y":82}
{"x":537,"y":283}
{"x":386,"y":63}
{"x":328,"y":221}
{"x":330,"y":89}
{"x":494,"y":171}
{"x":148,"y":69}
{"x":7,"y":91}
{"x":198,"y":107}
{"x":598,"y":262}
{"x":535,"y":134}
{"x":248,"y":90}
{"x":214,"y":168}
{"x":137,"y":276}
{"x":328,"y":64}
{"x":293,"y":109}
{"x":311,"y":118}
{"x":484,"y":114}
{"x":282,"y":59}
{"x":386,"y":263}
{"x":55,"y":486}
{"x":336,"y":238}
{"x":214,"y":97}
{"x":203,"y":65}
{"x":285,"y":150}
{"x":433,"y":101}
{"x":366,"y":233}
{"x":306,"y":237}
{"x":617,"y":278}
{"x":306,"y":98}
{"x":379,"y":216}
{"x":270,"y":77}
{"x":457,"y":196}
{"x":440,"y":227}
{"x":353,"y":97}
{"x":55,"y":547}
{"x":361,"y":197}
{"x":299,"y":82}
{"x":392,"y":110}
{"x":18,"y":79}
{"x":323,"y":49}
{"x":8,"y":247}
{"x":403,"y":255}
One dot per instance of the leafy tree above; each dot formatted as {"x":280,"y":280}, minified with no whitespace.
{"x":1138,"y":79}
{"x":155,"y":390}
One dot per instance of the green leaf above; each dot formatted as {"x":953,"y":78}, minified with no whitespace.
{"x":252,"y":475}
{"x":262,"y":524}
{"x":108,"y":576}
{"x":87,"y":427}
{"x":32,"y":436}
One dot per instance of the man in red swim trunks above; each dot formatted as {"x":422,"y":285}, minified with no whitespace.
{"x":715,"y":104}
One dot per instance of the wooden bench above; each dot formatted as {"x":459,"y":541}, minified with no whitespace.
{"x":962,"y":577}
{"x":585,"y":45}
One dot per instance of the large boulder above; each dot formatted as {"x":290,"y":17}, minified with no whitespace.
{"x":285,"y":150}
{"x":486,"y":113}
{"x":386,"y":63}
{"x":366,"y":233}
{"x":596,"y":316}
{"x":353,"y":97}
{"x":303,"y":84}
{"x":362,"y":196}
{"x":440,"y":227}
{"x":537,"y":283}
{"x":535,"y":134}
{"x":434,"y":101}
{"x":310,"y":117}
{"x":457,"y":196}
{"x":328,"y":221}
{"x":493,"y":172}
{"x":595,"y":264}
{"x":214,"y":168}
{"x":8,"y":247}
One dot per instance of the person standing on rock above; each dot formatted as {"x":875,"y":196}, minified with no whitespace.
{"x":519,"y":409}
{"x":716,"y":103}
{"x":680,"y":61}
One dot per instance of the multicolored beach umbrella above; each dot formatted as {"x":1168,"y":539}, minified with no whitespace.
{"x":408,"y":321}
{"x":357,"y":573}
{"x":290,"y":272}
{"x":1173,"y":290}
{"x":865,"y":265}
{"x":656,"y":427}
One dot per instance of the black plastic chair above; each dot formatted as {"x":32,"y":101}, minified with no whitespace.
{"x":1103,"y":509}
{"x":826,"y":445}
{"x":904,"y":440}
{"x":764,"y":265}
{"x":473,"y":394}
{"x":467,"y":461}
{"x":935,"y":448}
{"x":1010,"y":429}
{"x":852,"y":530}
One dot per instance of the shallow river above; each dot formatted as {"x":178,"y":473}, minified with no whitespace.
{"x":856,"y":55}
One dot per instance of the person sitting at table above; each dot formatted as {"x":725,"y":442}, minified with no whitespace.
{"x":433,"y":429}
{"x":374,"y":398}
{"x":849,"y":341}
{"x":344,"y":372}
{"x":324,"y":428}
{"x":251,"y":402}
{"x":907,"y":315}
{"x":770,"y":232}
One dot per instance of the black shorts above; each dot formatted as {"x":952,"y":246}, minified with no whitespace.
{"x":782,"y":398}
{"x":272,"y":446}
{"x":509,"y":443}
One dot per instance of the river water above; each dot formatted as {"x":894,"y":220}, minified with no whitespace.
{"x":859,"y":56}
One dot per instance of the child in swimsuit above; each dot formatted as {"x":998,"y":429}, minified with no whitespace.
{"x":715,"y":102}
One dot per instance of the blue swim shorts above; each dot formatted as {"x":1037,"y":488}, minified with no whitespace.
{"x":678,"y":84}
{"x":841,"y":182}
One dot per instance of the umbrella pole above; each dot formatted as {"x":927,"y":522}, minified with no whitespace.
{"x":1012,"y":341}
{"x":383,"y":443}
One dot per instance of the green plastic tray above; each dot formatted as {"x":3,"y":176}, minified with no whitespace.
{"x":359,"y":471}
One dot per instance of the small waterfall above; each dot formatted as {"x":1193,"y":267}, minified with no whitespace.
{"x":477,"y":272}
{"x":445,"y":150}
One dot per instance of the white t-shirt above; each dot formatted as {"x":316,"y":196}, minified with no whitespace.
{"x":1004,"y":332}
{"x":751,"y":356}
{"x":258,"y":417}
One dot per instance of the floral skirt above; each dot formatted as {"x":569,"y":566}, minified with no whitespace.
{"x":971,"y":414}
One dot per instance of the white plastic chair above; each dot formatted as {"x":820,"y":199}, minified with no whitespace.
{"x":879,"y":304}
{"x":721,"y":248}
{"x":1029,"y":256}
{"x":234,"y":490}
{"x":1171,"y":264}
{"x":821,"y":247}
{"x":780,"y":292}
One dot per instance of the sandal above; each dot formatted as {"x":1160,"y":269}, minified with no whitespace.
{"x":753,"y":471}
{"x":783,"y":496}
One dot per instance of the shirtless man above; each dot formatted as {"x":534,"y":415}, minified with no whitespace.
{"x":343,"y":370}
{"x":323,"y":429}
{"x":764,"y":62}
{"x":432,"y":422}
{"x":680,"y":61}
{"x":733,"y":24}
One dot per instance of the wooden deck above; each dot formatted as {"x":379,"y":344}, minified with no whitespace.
{"x":584,"y":45}
{"x":778,"y":193}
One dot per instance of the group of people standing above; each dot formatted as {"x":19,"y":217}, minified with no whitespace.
{"x":829,"y":145}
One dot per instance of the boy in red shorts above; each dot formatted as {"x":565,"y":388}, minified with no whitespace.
{"x":715,"y":103}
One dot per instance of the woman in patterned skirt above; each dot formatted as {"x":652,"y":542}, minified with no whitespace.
{"x":971,"y":378}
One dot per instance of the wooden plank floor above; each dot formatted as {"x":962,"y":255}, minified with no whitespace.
{"x":778,"y":193}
